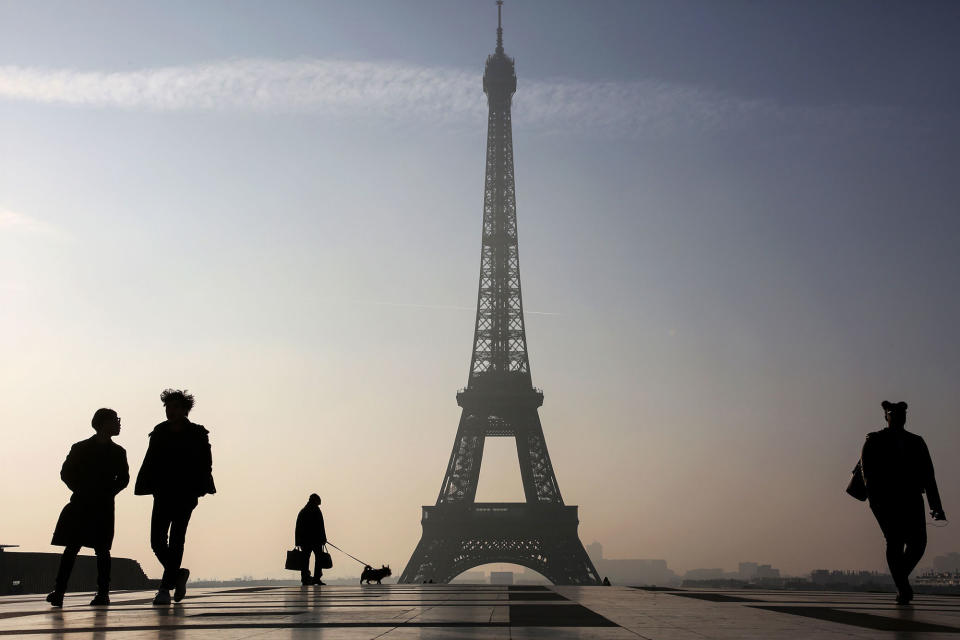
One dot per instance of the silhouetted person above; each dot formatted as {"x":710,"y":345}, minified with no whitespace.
{"x":95,"y":470}
{"x":177,"y":470}
{"x":310,"y":535}
{"x":897,"y":471}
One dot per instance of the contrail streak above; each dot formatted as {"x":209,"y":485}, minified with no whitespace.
{"x":394,"y":91}
{"x":444,"y":306}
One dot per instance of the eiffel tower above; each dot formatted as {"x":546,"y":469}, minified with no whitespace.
{"x":500,"y":400}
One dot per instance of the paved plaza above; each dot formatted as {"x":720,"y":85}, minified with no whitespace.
{"x":397,"y":612}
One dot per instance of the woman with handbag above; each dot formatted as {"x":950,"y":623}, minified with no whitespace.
{"x":897,"y":471}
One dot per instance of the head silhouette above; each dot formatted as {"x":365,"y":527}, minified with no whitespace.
{"x":106,"y":422}
{"x":177,"y":403}
{"x":895,"y":413}
{"x":314,"y":499}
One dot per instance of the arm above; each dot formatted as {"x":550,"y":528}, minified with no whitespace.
{"x":323,"y":530}
{"x":299,"y":534}
{"x":145,"y":477}
{"x":70,"y":472}
{"x":122,"y":479}
{"x":930,"y":482}
{"x":866,"y":462}
{"x":205,"y":464}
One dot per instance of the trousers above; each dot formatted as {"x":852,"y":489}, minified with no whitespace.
{"x":902,"y":520}
{"x":317,"y":570}
{"x":168,"y":533}
{"x":67,"y":561}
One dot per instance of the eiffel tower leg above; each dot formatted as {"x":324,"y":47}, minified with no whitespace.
{"x":463,"y":470}
{"x":536,"y":470}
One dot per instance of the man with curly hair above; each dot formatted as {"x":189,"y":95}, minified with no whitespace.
{"x":176,"y":471}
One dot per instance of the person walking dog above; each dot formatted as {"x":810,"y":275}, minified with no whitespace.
{"x":310,"y":535}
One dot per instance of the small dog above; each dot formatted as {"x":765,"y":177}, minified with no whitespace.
{"x":369,"y":573}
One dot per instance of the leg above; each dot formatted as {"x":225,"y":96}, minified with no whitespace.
{"x":66,"y":568}
{"x":181,"y":511}
{"x":103,"y":570}
{"x":915,"y":539}
{"x":892,"y":528}
{"x":159,"y":525}
{"x":305,"y":577}
{"x":317,"y":569}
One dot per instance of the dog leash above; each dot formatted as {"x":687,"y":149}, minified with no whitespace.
{"x":366,"y":564}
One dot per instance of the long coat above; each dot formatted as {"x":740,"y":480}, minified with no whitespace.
{"x":178,"y":462}
{"x":310,"y":531}
{"x":95,"y":471}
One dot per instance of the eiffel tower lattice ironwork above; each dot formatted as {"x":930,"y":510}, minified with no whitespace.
{"x":500,"y":400}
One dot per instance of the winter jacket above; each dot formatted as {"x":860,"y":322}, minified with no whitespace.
{"x":178,"y":462}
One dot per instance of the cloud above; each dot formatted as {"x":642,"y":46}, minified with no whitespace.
{"x":397,"y":91}
{"x":15,"y":222}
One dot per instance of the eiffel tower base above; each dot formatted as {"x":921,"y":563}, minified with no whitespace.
{"x":458,"y":537}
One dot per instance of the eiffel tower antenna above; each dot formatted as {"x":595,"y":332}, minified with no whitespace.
{"x":499,"y":27}
{"x":499,"y":401}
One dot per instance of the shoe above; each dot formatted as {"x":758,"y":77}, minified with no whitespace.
{"x":182,"y":576}
{"x":100,"y":600}
{"x":55,"y":598}
{"x":162,"y":597}
{"x":320,"y":583}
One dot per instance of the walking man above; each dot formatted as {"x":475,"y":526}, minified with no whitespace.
{"x":311,"y":536}
{"x":897,"y":471}
{"x":176,"y":471}
{"x":96,"y":471}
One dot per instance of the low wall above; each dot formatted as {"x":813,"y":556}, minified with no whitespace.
{"x":35,"y":573}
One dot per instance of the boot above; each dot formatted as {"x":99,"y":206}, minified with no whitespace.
{"x":102,"y":599}
{"x":55,"y":598}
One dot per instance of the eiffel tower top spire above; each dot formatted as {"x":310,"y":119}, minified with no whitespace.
{"x":499,"y":27}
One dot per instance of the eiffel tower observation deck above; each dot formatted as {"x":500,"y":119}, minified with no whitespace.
{"x":500,"y":400}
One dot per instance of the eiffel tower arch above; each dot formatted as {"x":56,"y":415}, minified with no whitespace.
{"x":500,"y":401}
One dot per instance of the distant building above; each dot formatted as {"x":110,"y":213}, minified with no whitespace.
{"x":704,"y":574}
{"x":949,"y":563}
{"x":826,"y":577}
{"x":766,"y":572}
{"x":595,"y":551}
{"x":501,"y":577}
{"x":747,"y":571}
{"x":631,"y":571}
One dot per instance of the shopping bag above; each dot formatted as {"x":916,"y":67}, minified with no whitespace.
{"x":326,"y":562}
{"x":296,"y":559}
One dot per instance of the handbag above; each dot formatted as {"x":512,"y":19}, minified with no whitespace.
{"x":296,"y":560}
{"x":857,"y":488}
{"x":326,"y":561}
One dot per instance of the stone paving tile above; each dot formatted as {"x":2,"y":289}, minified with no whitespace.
{"x":401,"y":612}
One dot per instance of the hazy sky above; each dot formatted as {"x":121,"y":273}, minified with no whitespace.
{"x":738,"y":234}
